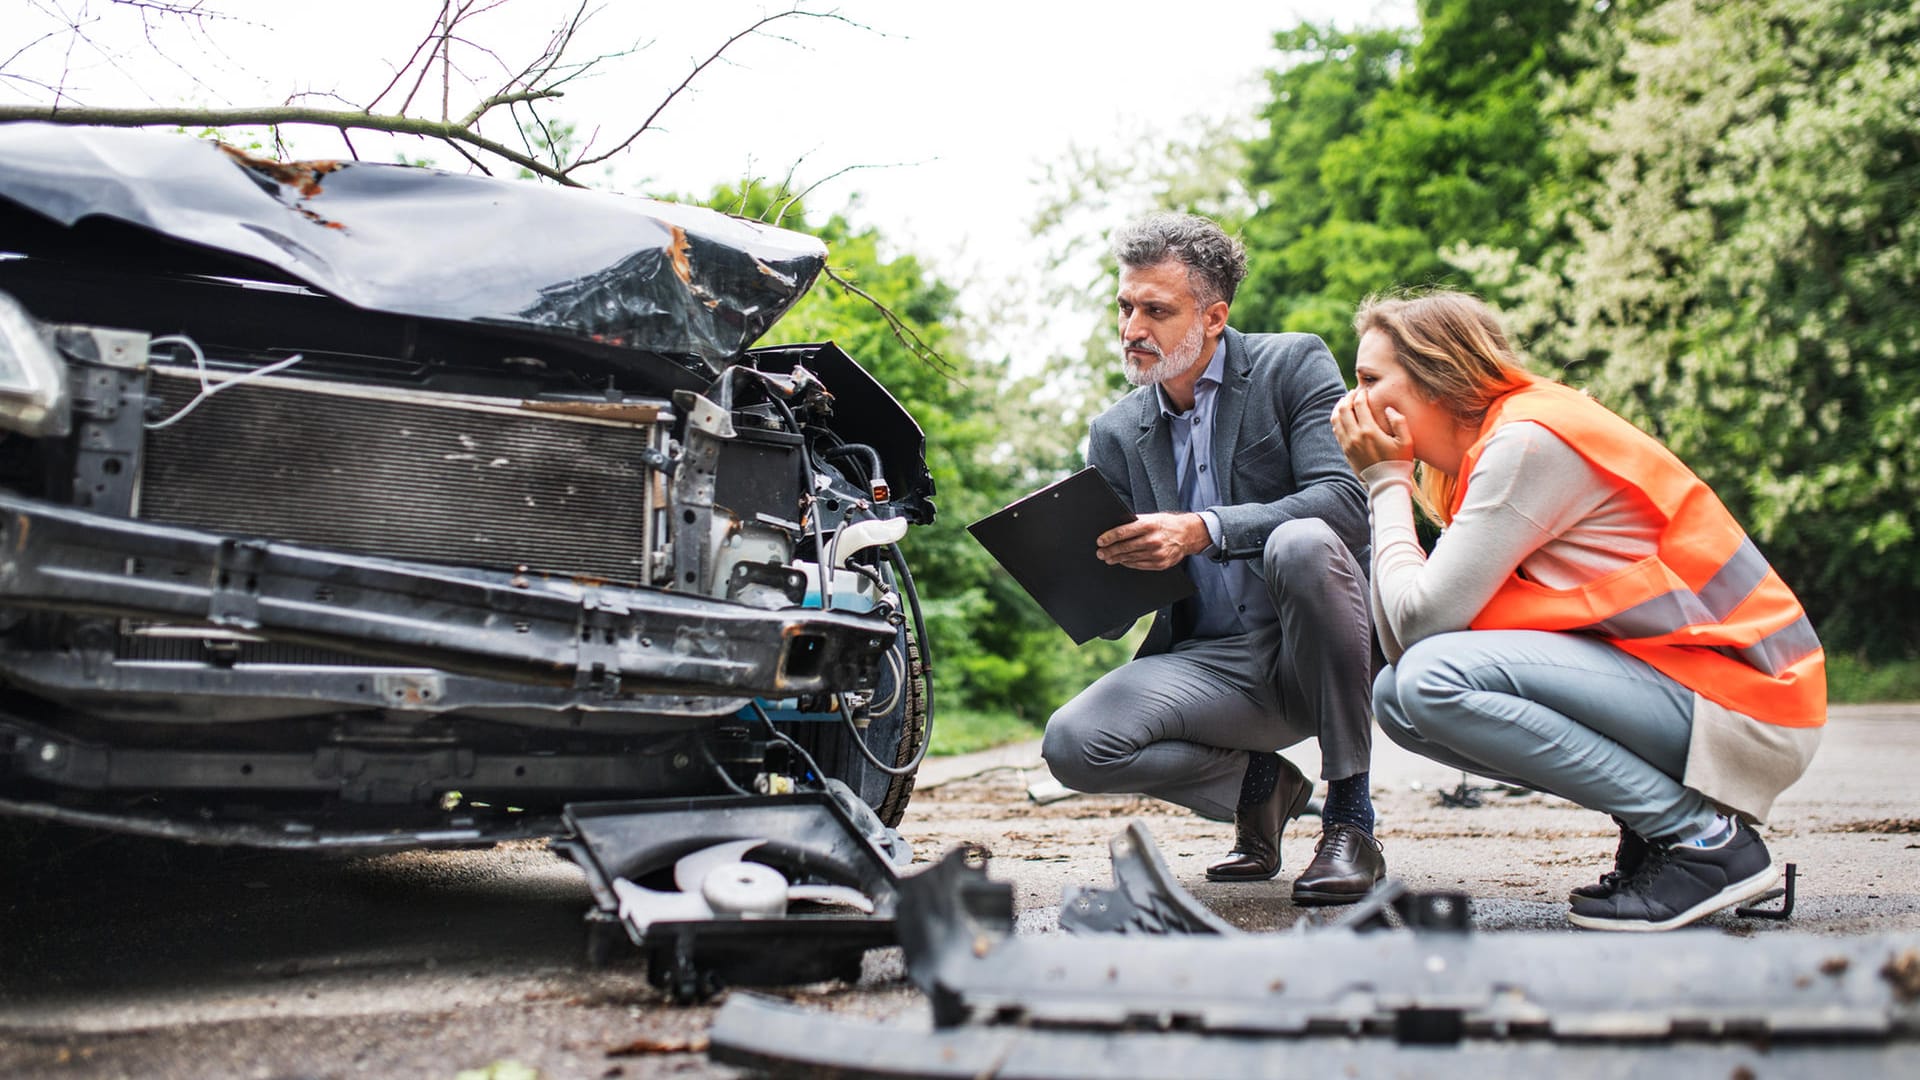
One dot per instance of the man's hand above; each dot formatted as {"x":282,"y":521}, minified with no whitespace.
{"x":1154,"y":541}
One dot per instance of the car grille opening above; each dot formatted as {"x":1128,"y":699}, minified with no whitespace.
{"x":415,"y":476}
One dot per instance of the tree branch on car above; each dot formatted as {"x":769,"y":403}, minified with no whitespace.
{"x":434,"y":58}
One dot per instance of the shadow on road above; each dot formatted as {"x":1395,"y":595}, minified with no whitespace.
{"x":87,"y":913}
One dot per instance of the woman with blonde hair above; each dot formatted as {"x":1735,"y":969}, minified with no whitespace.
{"x":1592,"y":622}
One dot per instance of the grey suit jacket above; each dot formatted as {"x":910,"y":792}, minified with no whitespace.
{"x":1273,"y":445}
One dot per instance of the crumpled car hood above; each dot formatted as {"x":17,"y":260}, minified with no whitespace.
{"x":615,"y":270}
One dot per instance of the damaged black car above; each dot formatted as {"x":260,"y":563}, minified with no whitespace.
{"x":350,"y":505}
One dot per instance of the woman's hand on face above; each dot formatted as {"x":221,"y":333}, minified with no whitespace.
{"x":1362,"y":439}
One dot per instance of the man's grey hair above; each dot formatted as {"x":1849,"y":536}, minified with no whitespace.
{"x":1215,"y":262}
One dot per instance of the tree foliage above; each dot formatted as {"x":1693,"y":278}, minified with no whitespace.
{"x":1384,"y":147}
{"x":1739,"y":277}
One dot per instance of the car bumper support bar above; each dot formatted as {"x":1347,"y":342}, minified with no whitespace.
{"x":512,"y":626}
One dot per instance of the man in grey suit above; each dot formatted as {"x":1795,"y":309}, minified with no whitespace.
{"x":1226,"y":456}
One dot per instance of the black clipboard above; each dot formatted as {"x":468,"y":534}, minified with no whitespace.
{"x":1046,"y":542}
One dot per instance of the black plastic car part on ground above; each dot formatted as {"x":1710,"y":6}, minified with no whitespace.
{"x":366,"y":505}
{"x":829,"y":851}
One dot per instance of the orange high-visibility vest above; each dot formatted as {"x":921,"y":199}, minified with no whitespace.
{"x":1707,"y":609}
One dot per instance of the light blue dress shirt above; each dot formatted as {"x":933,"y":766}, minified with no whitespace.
{"x":1232,"y":598}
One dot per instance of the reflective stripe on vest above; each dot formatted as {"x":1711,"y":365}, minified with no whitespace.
{"x":1707,"y":609}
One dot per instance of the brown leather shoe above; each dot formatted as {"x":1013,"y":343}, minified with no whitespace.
{"x":1256,"y":833}
{"x":1345,"y":865}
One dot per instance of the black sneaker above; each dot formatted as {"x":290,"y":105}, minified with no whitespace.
{"x":1680,"y":884}
{"x":1627,"y":858}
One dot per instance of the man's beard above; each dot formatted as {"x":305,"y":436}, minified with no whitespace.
{"x":1171,"y":365}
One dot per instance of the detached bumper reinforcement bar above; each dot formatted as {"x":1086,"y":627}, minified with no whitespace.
{"x":521,"y":627}
{"x":780,"y":1040}
{"x":1148,"y":996}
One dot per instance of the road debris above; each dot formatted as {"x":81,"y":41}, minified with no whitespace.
{"x":1398,"y":984}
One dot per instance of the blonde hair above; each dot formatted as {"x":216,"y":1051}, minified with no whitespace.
{"x":1454,"y":352}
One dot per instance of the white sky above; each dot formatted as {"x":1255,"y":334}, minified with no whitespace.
{"x":967,"y":100}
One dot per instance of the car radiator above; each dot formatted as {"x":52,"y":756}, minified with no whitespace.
{"x":423,"y":477}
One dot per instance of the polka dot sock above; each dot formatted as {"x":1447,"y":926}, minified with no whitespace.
{"x":1263,"y":771}
{"x":1349,"y":801}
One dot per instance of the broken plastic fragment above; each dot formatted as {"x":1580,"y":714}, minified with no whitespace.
{"x":641,"y":907}
{"x":832,"y":894}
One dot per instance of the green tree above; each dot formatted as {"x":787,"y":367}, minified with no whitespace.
{"x":1385,"y":147}
{"x":1318,"y":101}
{"x":1738,"y":276}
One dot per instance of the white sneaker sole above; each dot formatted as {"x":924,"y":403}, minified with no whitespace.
{"x":1737,"y":893}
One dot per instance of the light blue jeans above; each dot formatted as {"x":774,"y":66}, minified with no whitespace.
{"x":1567,"y":714}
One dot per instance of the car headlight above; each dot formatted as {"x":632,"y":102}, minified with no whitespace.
{"x":33,"y":379}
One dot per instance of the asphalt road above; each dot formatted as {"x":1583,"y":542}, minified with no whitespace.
{"x":122,"y":958}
